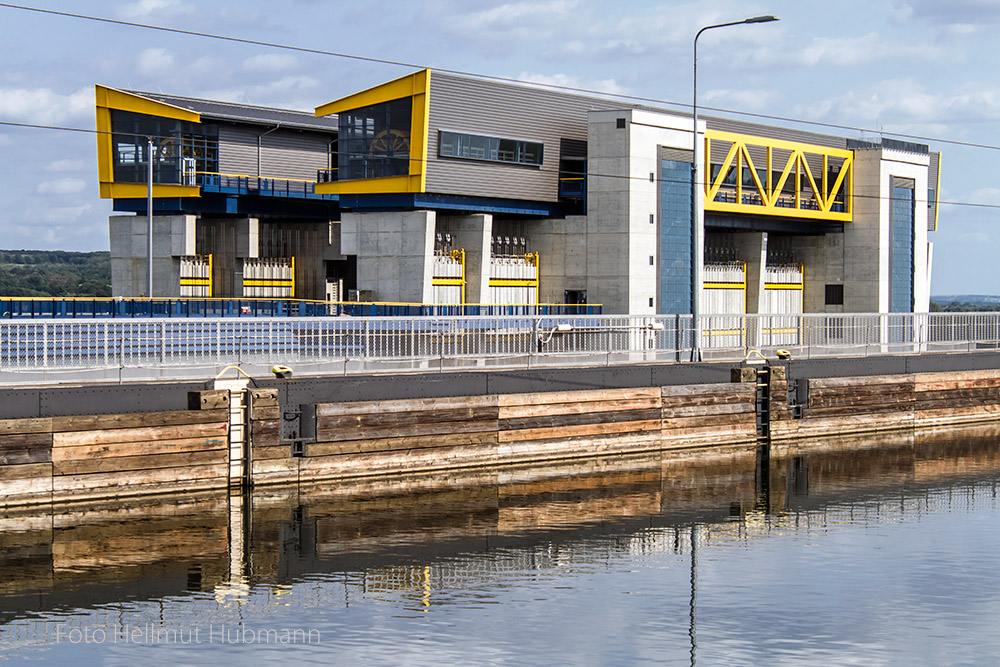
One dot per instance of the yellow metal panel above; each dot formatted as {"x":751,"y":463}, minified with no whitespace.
{"x":111,"y":98}
{"x":363,"y":186}
{"x":416,"y":83}
{"x":937,"y":194}
{"x":797,"y":286}
{"x":724,"y":285}
{"x":498,"y":282}
{"x":105,"y":172}
{"x":778,"y":143}
{"x":138,"y":190}
{"x":416,"y":86}
{"x":754,"y":209}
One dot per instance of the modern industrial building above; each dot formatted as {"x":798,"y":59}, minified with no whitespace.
{"x":438,"y":188}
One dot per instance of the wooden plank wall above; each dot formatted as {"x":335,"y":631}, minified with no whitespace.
{"x":880,"y":403}
{"x":106,"y":456}
{"x":387,"y":437}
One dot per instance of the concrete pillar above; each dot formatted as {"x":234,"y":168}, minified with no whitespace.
{"x":474,"y":233}
{"x":173,"y":237}
{"x":248,"y":238}
{"x":395,"y":252}
{"x":751,"y":247}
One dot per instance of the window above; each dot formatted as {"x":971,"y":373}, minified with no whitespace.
{"x":620,"y":123}
{"x":835,"y":295}
{"x":489,"y":149}
{"x":374,"y":141}
{"x":651,"y":260}
{"x":173,"y":140}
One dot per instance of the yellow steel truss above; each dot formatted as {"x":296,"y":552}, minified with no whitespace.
{"x":812,"y":196}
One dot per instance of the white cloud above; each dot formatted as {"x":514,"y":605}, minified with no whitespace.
{"x":516,"y":15}
{"x":68,"y":165}
{"x":829,"y":52}
{"x":270,"y":62}
{"x":44,"y":106}
{"x":609,"y":86}
{"x":145,"y":9}
{"x":155,"y":62}
{"x":61,"y":186}
{"x":738,"y":99}
{"x":65,"y":213}
{"x":989,"y":196}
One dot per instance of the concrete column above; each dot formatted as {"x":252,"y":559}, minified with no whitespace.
{"x":248,"y":238}
{"x":751,"y":247}
{"x":395,"y":252}
{"x":173,"y":236}
{"x":474,"y":233}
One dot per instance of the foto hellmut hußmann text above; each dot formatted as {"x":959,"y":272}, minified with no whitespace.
{"x":222,"y":633}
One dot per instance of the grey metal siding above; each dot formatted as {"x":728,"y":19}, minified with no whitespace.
{"x":283,"y":154}
{"x":293,"y":154}
{"x":510,"y":111}
{"x":238,"y":150}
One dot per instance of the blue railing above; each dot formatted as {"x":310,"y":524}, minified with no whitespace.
{"x":264,"y":187}
{"x":24,"y":308}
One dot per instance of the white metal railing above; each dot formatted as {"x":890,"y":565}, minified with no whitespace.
{"x":482,"y":340}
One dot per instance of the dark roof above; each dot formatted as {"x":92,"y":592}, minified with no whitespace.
{"x":245,"y":113}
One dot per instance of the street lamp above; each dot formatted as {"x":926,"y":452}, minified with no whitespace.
{"x":697,"y":233}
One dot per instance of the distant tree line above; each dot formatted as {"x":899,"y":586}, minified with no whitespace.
{"x":963,"y":307}
{"x":54,"y":273}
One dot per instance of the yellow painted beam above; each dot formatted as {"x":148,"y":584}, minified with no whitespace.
{"x":498,"y":282}
{"x":112,"y":98}
{"x":138,"y":190}
{"x":778,"y":143}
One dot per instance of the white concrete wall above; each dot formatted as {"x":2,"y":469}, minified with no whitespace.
{"x":474,"y":234}
{"x":395,"y":253}
{"x":173,"y":236}
{"x":621,"y":196}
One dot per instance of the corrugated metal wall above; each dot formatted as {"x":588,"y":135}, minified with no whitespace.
{"x":508,"y":111}
{"x":238,"y":150}
{"x":292,"y":154}
{"x":284,"y":153}
{"x":782,"y":298}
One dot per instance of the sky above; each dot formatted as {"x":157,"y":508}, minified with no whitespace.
{"x":916,"y":67}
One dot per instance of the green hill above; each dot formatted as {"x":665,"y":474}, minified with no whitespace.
{"x":54,"y":273}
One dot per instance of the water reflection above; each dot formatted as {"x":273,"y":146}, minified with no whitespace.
{"x":740,"y":557}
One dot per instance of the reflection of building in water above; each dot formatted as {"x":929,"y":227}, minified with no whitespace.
{"x":161,"y":565}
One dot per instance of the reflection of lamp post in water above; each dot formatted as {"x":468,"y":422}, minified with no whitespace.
{"x":694,"y":591}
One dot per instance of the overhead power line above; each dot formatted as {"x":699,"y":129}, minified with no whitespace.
{"x":84,"y":130}
{"x":575,"y":89}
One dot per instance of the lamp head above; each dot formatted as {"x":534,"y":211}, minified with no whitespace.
{"x":766,"y":18}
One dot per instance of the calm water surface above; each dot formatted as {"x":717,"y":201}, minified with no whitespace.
{"x":877,"y":553}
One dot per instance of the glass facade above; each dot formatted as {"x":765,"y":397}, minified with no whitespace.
{"x":374,"y":141}
{"x":490,"y":149}
{"x":901,"y":250}
{"x":676,"y":244}
{"x":173,"y":140}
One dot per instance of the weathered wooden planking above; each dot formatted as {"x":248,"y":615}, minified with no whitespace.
{"x":970,"y":394}
{"x":265,"y":433}
{"x":406,"y":418}
{"x":708,"y":412}
{"x":724,"y":398}
{"x":553,"y":449}
{"x":407,"y":405}
{"x":862,"y":409}
{"x":31,"y":481}
{"x":551,"y":421}
{"x":141,"y":434}
{"x":111,"y":484}
{"x":118,"y":449}
{"x":25,"y":448}
{"x":579,"y":396}
{"x":990,"y":411}
{"x":209,"y":399}
{"x":395,"y":462}
{"x":436,"y":428}
{"x":898,"y":399}
{"x":137,"y":420}
{"x":860,"y":381}
{"x":263,"y":397}
{"x":149,"y":462}
{"x":583,"y":430}
{"x":271,"y":453}
{"x":265,"y":413}
{"x":397,"y":444}
{"x":711,"y":388}
{"x":701,"y":422}
{"x":611,"y":405}
{"x":948,"y":378}
{"x":20,"y":426}
{"x":874,"y":392}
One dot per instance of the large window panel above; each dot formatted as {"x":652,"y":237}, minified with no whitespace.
{"x":489,"y":149}
{"x":374,"y":141}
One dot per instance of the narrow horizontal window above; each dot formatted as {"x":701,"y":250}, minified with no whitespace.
{"x":489,"y":149}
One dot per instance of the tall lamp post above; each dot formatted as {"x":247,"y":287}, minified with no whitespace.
{"x":697,"y":232}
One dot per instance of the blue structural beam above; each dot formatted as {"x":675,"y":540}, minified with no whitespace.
{"x":382,"y":202}
{"x":319,"y":209}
